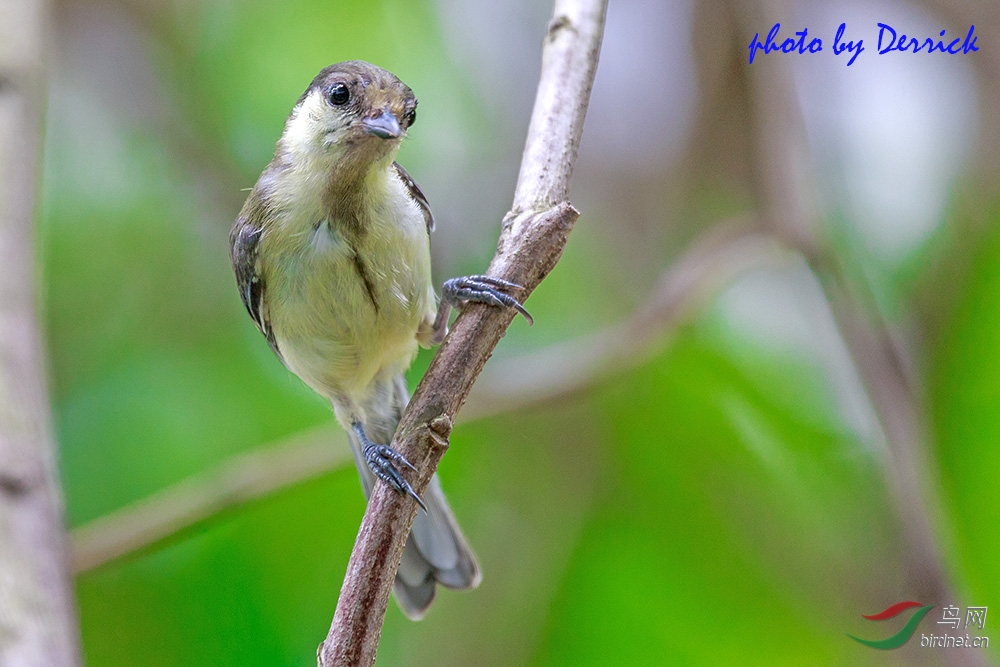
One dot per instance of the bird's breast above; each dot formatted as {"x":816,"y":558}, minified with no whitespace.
{"x":346,"y":305}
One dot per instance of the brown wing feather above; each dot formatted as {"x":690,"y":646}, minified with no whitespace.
{"x":417,"y":194}
{"x":244,"y":240}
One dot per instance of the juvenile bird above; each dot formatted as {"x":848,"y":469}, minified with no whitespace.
{"x":331,"y":253}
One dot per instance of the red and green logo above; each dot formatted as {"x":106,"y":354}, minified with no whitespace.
{"x":905,"y":632}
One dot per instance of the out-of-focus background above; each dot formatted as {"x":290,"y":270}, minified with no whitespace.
{"x":760,"y":398}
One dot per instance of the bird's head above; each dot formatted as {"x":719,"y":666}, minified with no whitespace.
{"x":352,"y":112}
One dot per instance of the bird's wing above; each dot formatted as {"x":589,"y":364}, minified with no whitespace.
{"x":417,"y":194}
{"x":244,"y":243}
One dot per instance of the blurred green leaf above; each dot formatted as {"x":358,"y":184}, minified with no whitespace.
{"x":965,"y":396}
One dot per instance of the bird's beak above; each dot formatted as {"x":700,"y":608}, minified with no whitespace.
{"x":384,"y":125}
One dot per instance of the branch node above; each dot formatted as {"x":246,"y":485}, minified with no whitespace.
{"x":558,"y":23}
{"x":440,"y":428}
{"x":14,"y":485}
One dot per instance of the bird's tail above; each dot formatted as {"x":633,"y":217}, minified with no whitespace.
{"x":436,"y":550}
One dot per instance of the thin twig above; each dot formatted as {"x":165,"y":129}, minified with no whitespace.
{"x":38,"y":625}
{"x":558,"y":370}
{"x":531,"y":242}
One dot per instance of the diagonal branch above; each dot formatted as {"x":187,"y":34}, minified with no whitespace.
{"x":534,"y":234}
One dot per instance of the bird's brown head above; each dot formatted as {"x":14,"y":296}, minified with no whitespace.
{"x":352,"y":110}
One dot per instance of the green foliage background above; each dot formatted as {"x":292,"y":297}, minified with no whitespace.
{"x":708,"y":507}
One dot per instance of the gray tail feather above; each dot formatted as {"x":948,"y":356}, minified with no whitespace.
{"x":436,"y":551}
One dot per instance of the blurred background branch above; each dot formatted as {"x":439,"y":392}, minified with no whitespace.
{"x":782,"y":177}
{"x":880,"y":358}
{"x":38,"y":625}
{"x":239,"y":480}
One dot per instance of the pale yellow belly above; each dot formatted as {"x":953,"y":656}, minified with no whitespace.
{"x":338,"y":326}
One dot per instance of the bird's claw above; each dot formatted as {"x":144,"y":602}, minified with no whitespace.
{"x":382,"y":461}
{"x":483,"y":289}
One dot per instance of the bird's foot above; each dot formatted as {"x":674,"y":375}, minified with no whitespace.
{"x":482,"y":289}
{"x":382,"y":461}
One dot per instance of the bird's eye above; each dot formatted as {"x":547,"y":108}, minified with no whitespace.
{"x":339,"y":94}
{"x":411,"y":118}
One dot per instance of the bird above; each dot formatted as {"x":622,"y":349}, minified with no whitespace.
{"x":331,"y":254}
